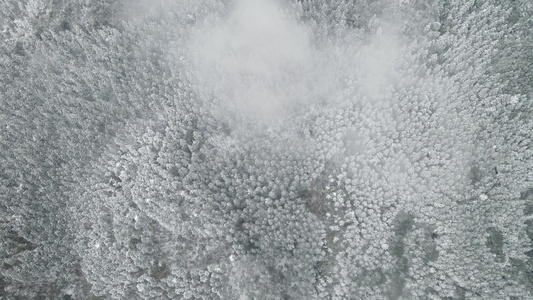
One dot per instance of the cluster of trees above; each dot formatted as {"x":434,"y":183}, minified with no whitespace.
{"x":122,"y":178}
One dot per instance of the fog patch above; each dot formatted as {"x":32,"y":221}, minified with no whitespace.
{"x":259,"y":62}
{"x":255,"y":61}
{"x":377,"y":63}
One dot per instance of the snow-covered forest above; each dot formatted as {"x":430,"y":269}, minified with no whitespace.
{"x":266,"y":149}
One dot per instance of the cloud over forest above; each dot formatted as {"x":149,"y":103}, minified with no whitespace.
{"x":266,"y":149}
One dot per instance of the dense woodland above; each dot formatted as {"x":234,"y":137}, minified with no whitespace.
{"x":266,"y":149}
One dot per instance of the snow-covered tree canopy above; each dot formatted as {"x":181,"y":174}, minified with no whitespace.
{"x":266,"y":149}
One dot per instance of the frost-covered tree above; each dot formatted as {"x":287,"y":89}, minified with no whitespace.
{"x":266,"y":149}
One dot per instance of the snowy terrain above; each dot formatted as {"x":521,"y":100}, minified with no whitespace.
{"x":266,"y":149}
